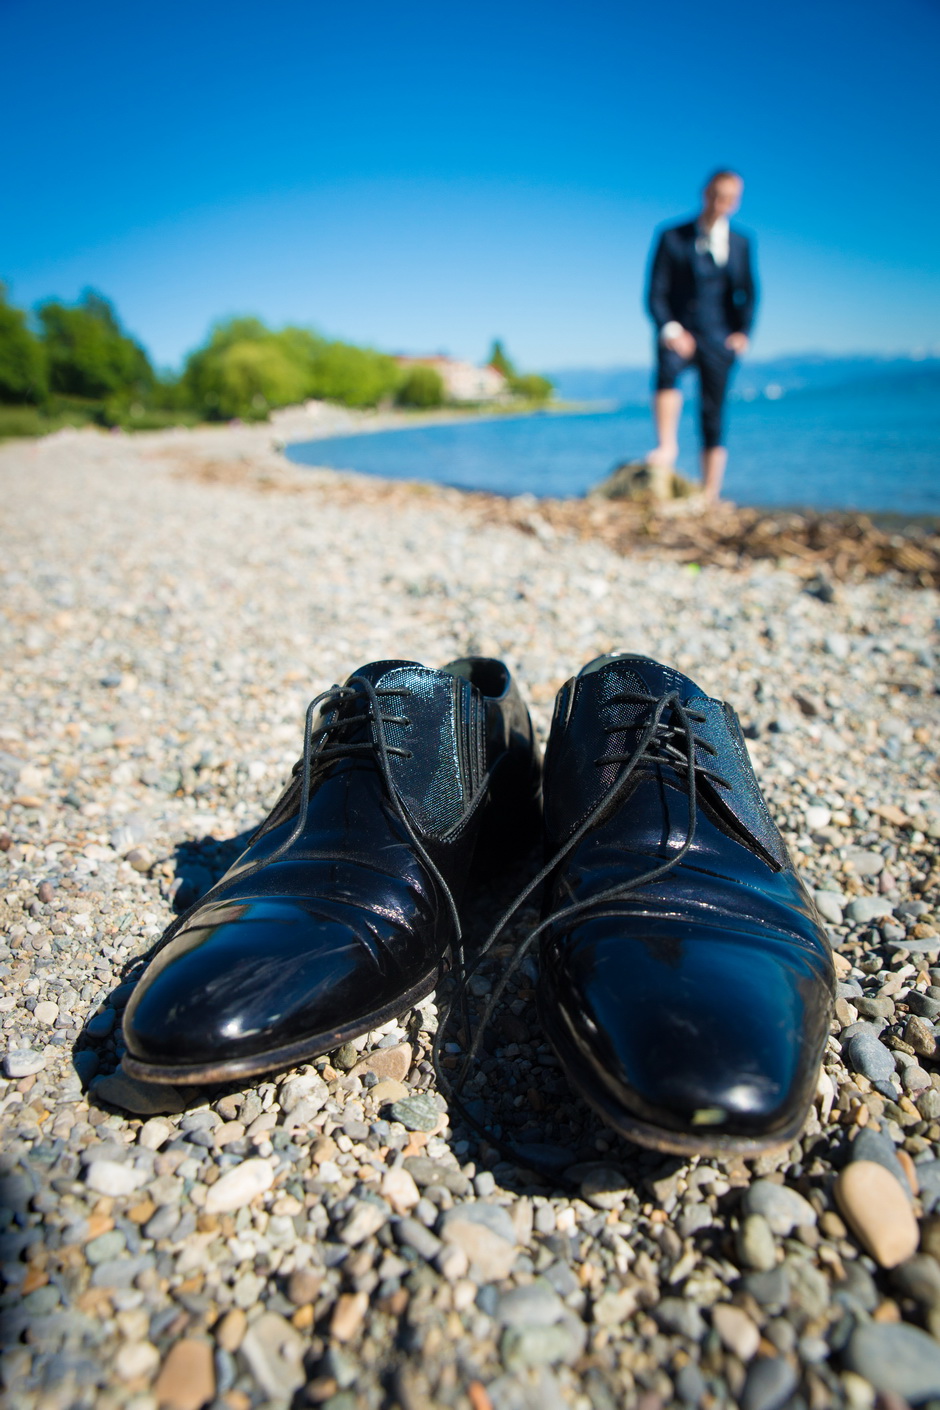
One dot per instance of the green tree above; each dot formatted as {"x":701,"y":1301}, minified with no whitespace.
{"x":89,"y":354}
{"x":23,"y":376}
{"x":242,"y":372}
{"x":499,"y":359}
{"x":421,"y":387}
{"x":531,"y":386}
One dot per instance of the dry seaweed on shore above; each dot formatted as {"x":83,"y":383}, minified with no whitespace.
{"x":840,"y":546}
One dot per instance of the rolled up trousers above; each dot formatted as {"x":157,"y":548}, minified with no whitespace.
{"x":714,"y":363}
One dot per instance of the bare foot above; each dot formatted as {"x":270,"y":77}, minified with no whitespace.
{"x":663,"y":457}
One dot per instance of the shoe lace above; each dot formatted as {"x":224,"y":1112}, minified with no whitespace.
{"x":322,"y":749}
{"x":665,"y":740}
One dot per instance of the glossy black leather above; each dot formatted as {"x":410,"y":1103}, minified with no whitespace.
{"x":297,"y":950}
{"x":695,"y":1016}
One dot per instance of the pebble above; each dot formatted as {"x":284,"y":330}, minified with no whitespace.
{"x":239,"y":1186}
{"x":831,"y":906}
{"x":755,"y":1244}
{"x":524,"y":1347}
{"x":141,"y":1098}
{"x":736,"y":1330}
{"x":896,"y":1359}
{"x":771,"y":1380}
{"x":865,"y":1054}
{"x":23,"y":1062}
{"x":678,"y":1315}
{"x":348,"y":1314}
{"x":231,"y":1330}
{"x":784,"y":1209}
{"x":535,"y":1305}
{"x":365,"y":1219}
{"x":417,"y":1113}
{"x":187,"y":1377}
{"x":136,"y":1360}
{"x":878,"y":1210}
{"x":486,"y":1235}
{"x":399,"y":1188}
{"x":107,"y":1177}
{"x":863,"y":909}
{"x":46,"y":1012}
{"x":391,"y":1063}
{"x":604,"y":1188}
{"x":865,"y":863}
{"x":274,"y":1351}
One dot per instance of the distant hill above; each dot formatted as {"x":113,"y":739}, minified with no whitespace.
{"x":626,"y":386}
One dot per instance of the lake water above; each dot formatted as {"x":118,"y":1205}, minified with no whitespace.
{"x":872,"y":445}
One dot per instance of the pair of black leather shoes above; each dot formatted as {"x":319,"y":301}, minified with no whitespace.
{"x":685,"y":978}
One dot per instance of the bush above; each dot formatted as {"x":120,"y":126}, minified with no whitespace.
{"x":531,"y":387}
{"x":89,"y":354}
{"x":22,"y":359}
{"x":353,"y":376}
{"x":421,"y":387}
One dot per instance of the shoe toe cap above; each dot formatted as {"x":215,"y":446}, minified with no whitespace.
{"x":246,"y":978}
{"x":699,"y":1031}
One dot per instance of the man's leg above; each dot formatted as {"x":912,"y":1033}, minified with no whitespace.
{"x":667,"y":408}
{"x":714,"y":364}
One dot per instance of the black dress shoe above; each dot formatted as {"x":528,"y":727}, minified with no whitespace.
{"x":339,"y":914}
{"x":685,"y":977}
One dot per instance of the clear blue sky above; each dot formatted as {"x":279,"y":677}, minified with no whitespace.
{"x":425,"y":176}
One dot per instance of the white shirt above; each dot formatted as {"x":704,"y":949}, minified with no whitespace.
{"x":714,"y":242}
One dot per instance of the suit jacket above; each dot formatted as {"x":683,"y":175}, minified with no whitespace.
{"x":672,"y":292}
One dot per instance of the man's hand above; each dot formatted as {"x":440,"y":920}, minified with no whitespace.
{"x":738,"y":343}
{"x":683,"y":343}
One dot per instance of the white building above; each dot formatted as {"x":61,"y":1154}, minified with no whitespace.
{"x":462,"y":381}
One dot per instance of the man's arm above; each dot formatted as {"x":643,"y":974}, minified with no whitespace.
{"x":746,"y":296}
{"x":660,"y":284}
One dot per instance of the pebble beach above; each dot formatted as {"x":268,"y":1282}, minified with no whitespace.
{"x":332,"y":1236}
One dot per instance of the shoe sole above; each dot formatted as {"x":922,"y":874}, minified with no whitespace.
{"x":645,"y":1133}
{"x":277,"y":1059}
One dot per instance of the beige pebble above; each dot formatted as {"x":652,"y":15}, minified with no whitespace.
{"x":226,"y":1133}
{"x":388,"y":1091}
{"x":400,"y":1190}
{"x":46,"y":1012}
{"x":348,"y":1314}
{"x":877,"y":1209}
{"x":394,"y":1063}
{"x":737,"y":1332}
{"x":238,"y":1186}
{"x":135,"y":1359}
{"x":231,"y":1330}
{"x":187,"y":1379}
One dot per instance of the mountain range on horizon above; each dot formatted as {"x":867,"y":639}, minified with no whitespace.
{"x":773,"y":377}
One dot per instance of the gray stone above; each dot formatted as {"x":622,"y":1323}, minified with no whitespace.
{"x":830,"y":906}
{"x":425,"y":1171}
{"x":23,"y":1062}
{"x":865,"y":1054}
{"x":106,"y":1246}
{"x":769,"y":1287}
{"x":413,"y":1234}
{"x":274,"y":1351}
{"x":161,"y":1224}
{"x":919,"y":1278}
{"x":879,"y":1147}
{"x":928,"y":1176}
{"x":691,"y":1387}
{"x":863,"y":909}
{"x":535,"y":1305}
{"x":365,"y":1219}
{"x":417,"y":1113}
{"x":771,"y":1380}
{"x":923,"y":1005}
{"x":522,"y":1347}
{"x":678,"y":1315}
{"x":897,"y":1359}
{"x":755,"y":1244}
{"x":486,"y":1234}
{"x":783,"y":1208}
{"x":865,"y":863}
{"x":605,"y":1188}
{"x":101,"y":1023}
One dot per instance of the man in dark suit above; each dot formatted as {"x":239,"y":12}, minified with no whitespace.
{"x":702,"y":297}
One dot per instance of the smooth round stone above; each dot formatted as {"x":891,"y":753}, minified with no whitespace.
{"x":238,"y":1186}
{"x":878,"y":1211}
{"x":817,"y":816}
{"x":866,"y":863}
{"x":830,"y":906}
{"x":737,"y":1332}
{"x":862,"y":909}
{"x":755,"y":1244}
{"x":770,"y":1382}
{"x":23,"y":1062}
{"x":783,"y":1208}
{"x":865,"y":1054}
{"x":896,"y":1359}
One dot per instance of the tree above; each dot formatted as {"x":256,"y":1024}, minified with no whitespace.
{"x":531,"y":386}
{"x":89,"y":354}
{"x":23,"y":376}
{"x":421,"y":387}
{"x":499,"y":359}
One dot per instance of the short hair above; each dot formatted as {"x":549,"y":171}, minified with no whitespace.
{"x":723,"y":173}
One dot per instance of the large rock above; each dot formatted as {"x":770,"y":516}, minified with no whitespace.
{"x":897,"y":1359}
{"x":643,"y":483}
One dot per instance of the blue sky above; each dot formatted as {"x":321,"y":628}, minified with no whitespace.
{"x":425,"y":177}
